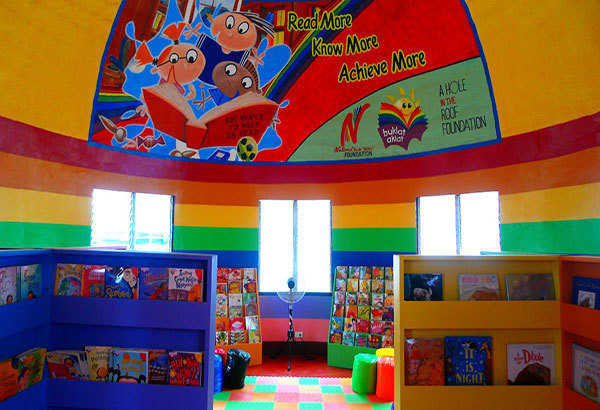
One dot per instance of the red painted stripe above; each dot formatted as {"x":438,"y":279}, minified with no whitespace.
{"x":558,"y":140}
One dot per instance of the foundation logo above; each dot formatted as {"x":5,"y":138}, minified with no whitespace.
{"x":349,"y":134}
{"x":401,"y":121}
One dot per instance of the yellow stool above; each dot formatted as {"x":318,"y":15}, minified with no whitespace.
{"x":385,"y":352}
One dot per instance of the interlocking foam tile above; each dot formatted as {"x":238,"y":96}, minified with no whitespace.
{"x":266,"y":380}
{"x":287,"y":397}
{"x":240,"y":396}
{"x":288,"y":380}
{"x":329,"y":381}
{"x":288,"y":388}
{"x":332,"y":389}
{"x":310,"y":406}
{"x":335,"y":406}
{"x":268,"y":397}
{"x":248,"y":388}
{"x":347,"y":389}
{"x":336,"y":398}
{"x":310,"y":389}
{"x":311,"y":397}
{"x":265,"y":388}
{"x":309,"y":380}
{"x":285,"y":406}
{"x":345,"y":381}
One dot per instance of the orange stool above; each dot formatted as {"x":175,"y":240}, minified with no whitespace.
{"x":385,"y":379}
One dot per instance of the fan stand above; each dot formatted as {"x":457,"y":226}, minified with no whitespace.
{"x":291,"y":338}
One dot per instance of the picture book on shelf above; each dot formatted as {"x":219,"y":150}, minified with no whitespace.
{"x":129,"y":365}
{"x":376,"y":313}
{"x":158,"y":366}
{"x":98,"y":362}
{"x":92,"y":281}
{"x":237,"y":337}
{"x":365,"y":272}
{"x":349,"y":324}
{"x":352,"y":311}
{"x":423,"y":286}
{"x":221,"y":307}
{"x":254,"y":336}
{"x":468,"y":360}
{"x":337,"y":323}
{"x":374,"y":341}
{"x":364,"y":285}
{"x":348,"y":339}
{"x":154,"y":283}
{"x":222,"y":275}
{"x":236,"y":324}
{"x":363,"y":298}
{"x":84,"y":367}
{"x":249,"y":274}
{"x":352,"y":285}
{"x":530,"y":364}
{"x":389,"y":287}
{"x":340,"y":285}
{"x":248,"y":298}
{"x":251,"y":309}
{"x":478,"y":287}
{"x":388,"y":314}
{"x":65,"y":364}
{"x":363,"y":326}
{"x":249,"y":286}
{"x":8,"y":285}
{"x":586,"y":292}
{"x":185,"y":284}
{"x":351,"y":298}
{"x":354,"y":272}
{"x":377,"y":327}
{"x":221,"y":288}
{"x":235,"y":275}
{"x":335,"y":337}
{"x":341,"y":272}
{"x":121,"y":282}
{"x":362,"y":339}
{"x":8,"y":379}
{"x":30,"y":366}
{"x":222,"y":338}
{"x":389,"y":273}
{"x":67,"y":281}
{"x":338,"y":310}
{"x":387,"y":341}
{"x":31,"y":282}
{"x":235,"y":287}
{"x":377,"y":286}
{"x":377,"y":300}
{"x":424,"y":363}
{"x":524,"y":286}
{"x":586,"y":372}
{"x":251,"y":322}
{"x":364,"y":312}
{"x":222,"y":324}
{"x":339,"y":297}
{"x":185,"y":368}
{"x":378,"y":272}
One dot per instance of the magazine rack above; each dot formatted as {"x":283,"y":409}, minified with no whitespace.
{"x":62,"y":322}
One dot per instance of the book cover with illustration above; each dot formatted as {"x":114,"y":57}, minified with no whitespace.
{"x":362,"y":339}
{"x":586,"y":372}
{"x":388,"y":313}
{"x":154,"y":283}
{"x":235,"y":287}
{"x":92,"y":281}
{"x":222,"y":324}
{"x":377,"y":286}
{"x":222,"y":338}
{"x":348,"y":338}
{"x":389,"y":287}
{"x":525,"y":286}
{"x":129,"y":365}
{"x":338,"y":310}
{"x":351,"y":298}
{"x":478,"y":287}
{"x":341,"y":272}
{"x":337,"y":324}
{"x":364,"y":285}
{"x":349,"y":324}
{"x":222,"y":288}
{"x":222,"y":275}
{"x":8,"y":379}
{"x":121,"y":282}
{"x":249,"y":274}
{"x":65,"y":364}
{"x":31,"y":282}
{"x":374,"y":341}
{"x":67,"y":281}
{"x":84,"y":366}
{"x":254,"y":336}
{"x":354,"y":272}
{"x":250,"y":309}
{"x":377,"y":327}
{"x":237,"y":324}
{"x":221,"y":307}
{"x":249,"y":286}
{"x":586,"y":292}
{"x":237,"y":337}
{"x":185,"y":368}
{"x":364,"y":312}
{"x":377,"y":300}
{"x":185,"y":284}
{"x":98,"y":362}
{"x":424,"y":362}
{"x":530,"y":364}
{"x":158,"y":366}
{"x":363,"y":298}
{"x":251,"y":322}
{"x":352,"y":311}
{"x":248,"y":298}
{"x":335,"y":337}
{"x":389,"y":273}
{"x":235,"y":275}
{"x":9,"y":285}
{"x":340,"y":285}
{"x":423,"y":286}
{"x":365,"y":272}
{"x":387,"y":328}
{"x":339,"y":297}
{"x":387,"y":341}
{"x":235,"y":305}
{"x":378,"y":272}
{"x":363,"y":326}
{"x":352,"y":285}
{"x":30,"y":367}
{"x":468,"y":360}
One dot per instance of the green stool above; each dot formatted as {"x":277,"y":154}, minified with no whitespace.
{"x":364,"y":373}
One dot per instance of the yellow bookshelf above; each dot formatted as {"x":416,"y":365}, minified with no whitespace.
{"x":507,"y":322}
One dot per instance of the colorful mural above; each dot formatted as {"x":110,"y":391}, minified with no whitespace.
{"x":294,"y":81}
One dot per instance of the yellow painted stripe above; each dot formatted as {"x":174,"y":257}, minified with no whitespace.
{"x":399,"y":215}
{"x":23,"y":205}
{"x":216,"y":216}
{"x":557,"y":204}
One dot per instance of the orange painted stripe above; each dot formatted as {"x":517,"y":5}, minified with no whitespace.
{"x":573,"y":169}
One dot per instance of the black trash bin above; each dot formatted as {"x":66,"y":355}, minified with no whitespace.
{"x":235,"y":369}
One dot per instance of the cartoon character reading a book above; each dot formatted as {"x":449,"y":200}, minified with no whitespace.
{"x":234,"y":79}
{"x":237,"y":31}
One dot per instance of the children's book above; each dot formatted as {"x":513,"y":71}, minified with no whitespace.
{"x":222,"y":275}
{"x":158,"y":366}
{"x":387,"y":328}
{"x":92,"y":281}
{"x":478,"y":287}
{"x":221,"y":308}
{"x":98,"y":362}
{"x":31,"y":282}
{"x":185,"y":284}
{"x":30,"y":366}
{"x":248,"y":298}
{"x":377,"y":300}
{"x":222,"y":324}
{"x":64,"y":364}
{"x":254,"y":336}
{"x":354,"y":272}
{"x":121,"y":282}
{"x":388,"y":314}
{"x":586,"y":292}
{"x":364,"y":285}
{"x":235,"y":287}
{"x":423,"y":286}
{"x":339,"y":297}
{"x":378,"y":272}
{"x":222,"y":338}
{"x":351,"y":298}
{"x":185,"y":368}
{"x":340,"y":285}
{"x":366,"y":272}
{"x":377,"y":286}
{"x":249,"y":274}
{"x":424,"y":363}
{"x":363,"y":326}
{"x":341,"y":272}
{"x":8,"y":285}
{"x":129,"y":365}
{"x":249,"y":286}
{"x":235,"y":305}
{"x":389,"y":287}
{"x":524,"y":286}
{"x":237,"y":337}
{"x":349,"y":324}
{"x":84,"y":366}
{"x":531,"y":364}
{"x":251,"y":309}
{"x":348,"y":339}
{"x":154,"y":283}
{"x":389,"y":273}
{"x":388,"y":301}
{"x":364,"y":312}
{"x":335,"y":337}
{"x":235,"y":275}
{"x":586,"y":372}
{"x":222,"y":288}
{"x":8,"y":379}
{"x":387,"y":341}
{"x":362,"y":339}
{"x":337,"y":324}
{"x":352,"y":311}
{"x":251,"y":322}
{"x":377,"y":327}
{"x":374,"y":341}
{"x":237,"y":324}
{"x":352,"y":285}
{"x":363,"y":298}
{"x":468,"y":360}
{"x":338,"y":310}
{"x":68,"y":279}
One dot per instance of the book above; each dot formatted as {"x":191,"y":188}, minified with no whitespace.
{"x":235,"y":287}
{"x":222,"y":338}
{"x":8,"y":379}
{"x":377,"y":300}
{"x":364,"y":285}
{"x":340,"y":285}
{"x":8,"y":285}
{"x":338,"y":310}
{"x":387,"y":341}
{"x":248,"y":298}
{"x":339,"y":297}
{"x":30,"y":367}
{"x":154,"y":283}
{"x":341,"y":272}
{"x":185,"y":368}
{"x":424,"y":362}
{"x":235,"y":275}
{"x":222,"y":288}
{"x":362,"y":339}
{"x":478,"y":287}
{"x":348,"y":339}
{"x":337,"y":324}
{"x":67,"y":281}
{"x":364,"y":312}
{"x":349,"y":324}
{"x":84,"y":366}
{"x":366,"y":272}
{"x":222,"y":324}
{"x":250,"y":309}
{"x":586,"y":292}
{"x":586,"y":372}
{"x":237,"y":337}
{"x":352,"y":311}
{"x":254,"y":336}
{"x":389,"y":273}
{"x":335,"y":337}
{"x":363,"y":298}
{"x":388,"y":301}
{"x":377,"y":286}
{"x":374,"y":341}
{"x":98,"y":362}
{"x":530,"y":364}
{"x":236,"y":324}
{"x":251,"y":322}
{"x":351,"y":298}
{"x":352,"y":285}
{"x":65,"y":364}
{"x":92,"y":281}
{"x":524,"y":286}
{"x":423,"y":286}
{"x":186,"y":284}
{"x":387,"y":328}
{"x":249,"y":286}
{"x":121,"y":282}
{"x":222,"y":275}
{"x":377,"y":327}
{"x":354,"y":272}
{"x":468,"y":360}
{"x":129,"y":365}
{"x":31,"y":282}
{"x":221,"y":307}
{"x":388,"y":313}
{"x":363,"y":326}
{"x":389,"y":287}
{"x":378,"y":272}
{"x":158,"y":366}
{"x":249,"y":274}
{"x":235,"y":305}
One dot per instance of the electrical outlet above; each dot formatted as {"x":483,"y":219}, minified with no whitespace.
{"x":298,"y":335}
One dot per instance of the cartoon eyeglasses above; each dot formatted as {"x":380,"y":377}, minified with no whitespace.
{"x":191,"y":56}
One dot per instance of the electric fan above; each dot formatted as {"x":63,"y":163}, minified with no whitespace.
{"x":290,"y":298}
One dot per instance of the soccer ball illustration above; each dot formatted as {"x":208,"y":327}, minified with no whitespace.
{"x":247,"y":149}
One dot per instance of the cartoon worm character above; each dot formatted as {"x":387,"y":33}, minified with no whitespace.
{"x":238,"y":31}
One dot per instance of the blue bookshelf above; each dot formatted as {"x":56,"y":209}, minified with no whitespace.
{"x":59,"y":322}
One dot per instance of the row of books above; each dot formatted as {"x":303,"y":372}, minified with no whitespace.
{"x":586,"y":292}
{"x":519,"y":286}
{"x":467,"y":360}
{"x":364,"y":272}
{"x":21,"y":372}
{"x":359,"y":339}
{"x":126,"y":282}
{"x":586,"y":372}
{"x":119,"y":365}
{"x":19,"y":283}
{"x":237,"y":275}
{"x":237,"y":330}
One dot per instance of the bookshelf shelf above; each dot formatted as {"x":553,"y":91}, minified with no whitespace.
{"x":21,"y":316}
{"x":32,"y":398}
{"x":343,"y":356}
{"x":574,"y":400}
{"x":580,"y":321}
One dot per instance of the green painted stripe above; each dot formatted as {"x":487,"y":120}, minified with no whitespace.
{"x":43,"y":235}
{"x":573,"y":236}
{"x":375,"y":239}
{"x":189,"y":238}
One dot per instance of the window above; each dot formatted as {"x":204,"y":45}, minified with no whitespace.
{"x":464,"y":224}
{"x":136,"y":221}
{"x":295,"y":241}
